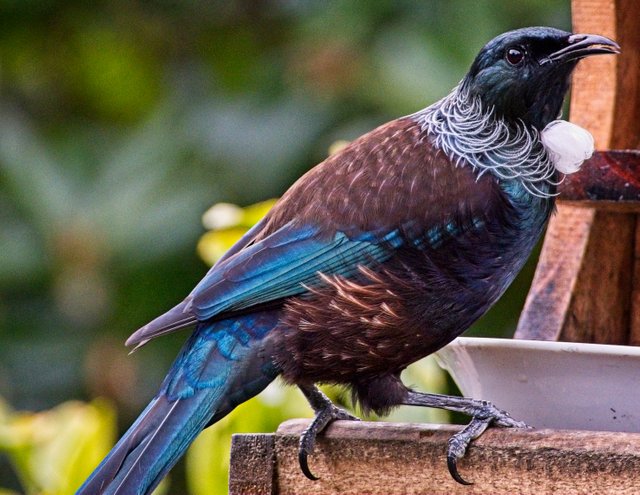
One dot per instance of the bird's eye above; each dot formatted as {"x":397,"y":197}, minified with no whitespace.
{"x":515,"y":56}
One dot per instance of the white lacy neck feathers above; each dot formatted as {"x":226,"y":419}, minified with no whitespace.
{"x":468,"y":133}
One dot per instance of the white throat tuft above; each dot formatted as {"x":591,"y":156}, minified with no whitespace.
{"x":569,"y":145}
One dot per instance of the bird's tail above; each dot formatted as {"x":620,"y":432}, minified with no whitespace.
{"x":222,"y":365}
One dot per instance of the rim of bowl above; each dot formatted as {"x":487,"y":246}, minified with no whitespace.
{"x":546,"y":345}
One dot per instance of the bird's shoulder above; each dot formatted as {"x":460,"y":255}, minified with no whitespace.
{"x":387,"y":178}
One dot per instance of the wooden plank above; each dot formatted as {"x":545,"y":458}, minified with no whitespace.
{"x":594,"y":90}
{"x":252,"y":465}
{"x":607,"y":176}
{"x":601,"y":300}
{"x":581,"y":290}
{"x":604,"y":99}
{"x":625,"y":131}
{"x":547,"y":305}
{"x":388,"y":458}
{"x":627,"y":114}
{"x":634,"y":337}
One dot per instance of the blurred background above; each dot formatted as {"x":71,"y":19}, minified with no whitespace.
{"x":121,"y":123}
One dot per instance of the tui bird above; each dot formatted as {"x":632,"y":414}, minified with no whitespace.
{"x":375,"y":258}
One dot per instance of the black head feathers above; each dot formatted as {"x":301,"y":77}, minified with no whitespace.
{"x":524,"y":74}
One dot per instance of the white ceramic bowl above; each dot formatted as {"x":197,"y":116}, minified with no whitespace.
{"x":551,"y":384}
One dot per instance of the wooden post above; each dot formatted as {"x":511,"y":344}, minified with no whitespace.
{"x":585,"y":288}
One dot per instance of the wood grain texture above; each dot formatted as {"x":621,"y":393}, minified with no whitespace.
{"x":387,"y":458}
{"x":581,"y":290}
{"x":612,"y":176}
{"x":634,"y":334}
{"x":548,"y":303}
{"x":252,"y":465}
{"x":601,"y":299}
{"x":604,"y":100}
{"x":594,"y":90}
{"x":606,"y":90}
{"x":626,"y":127}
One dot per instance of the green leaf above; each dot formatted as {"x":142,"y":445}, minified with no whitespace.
{"x":215,"y":243}
{"x":228,"y":223}
{"x":252,"y":214}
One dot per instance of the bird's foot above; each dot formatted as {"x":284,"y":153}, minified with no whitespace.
{"x":326,"y":412}
{"x":483,"y":414}
{"x":487,"y":415}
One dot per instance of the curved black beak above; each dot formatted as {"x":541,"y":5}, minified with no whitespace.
{"x":580,"y":46}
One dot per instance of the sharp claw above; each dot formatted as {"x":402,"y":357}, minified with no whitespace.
{"x":304,"y":465}
{"x":457,"y":447}
{"x":458,"y":443}
{"x":483,"y":414}
{"x":326,"y":412}
{"x":452,"y":464}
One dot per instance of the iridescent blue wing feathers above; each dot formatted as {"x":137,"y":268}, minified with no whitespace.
{"x":355,"y":208}
{"x":279,"y":266}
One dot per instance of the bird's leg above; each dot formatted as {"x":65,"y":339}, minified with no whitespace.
{"x":326,"y":412}
{"x":482,"y":414}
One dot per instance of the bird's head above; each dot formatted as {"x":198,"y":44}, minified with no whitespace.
{"x":524,"y":74}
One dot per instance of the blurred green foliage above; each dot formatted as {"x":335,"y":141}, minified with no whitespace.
{"x":53,"y":451}
{"x":227,"y":223}
{"x":122,"y":121}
